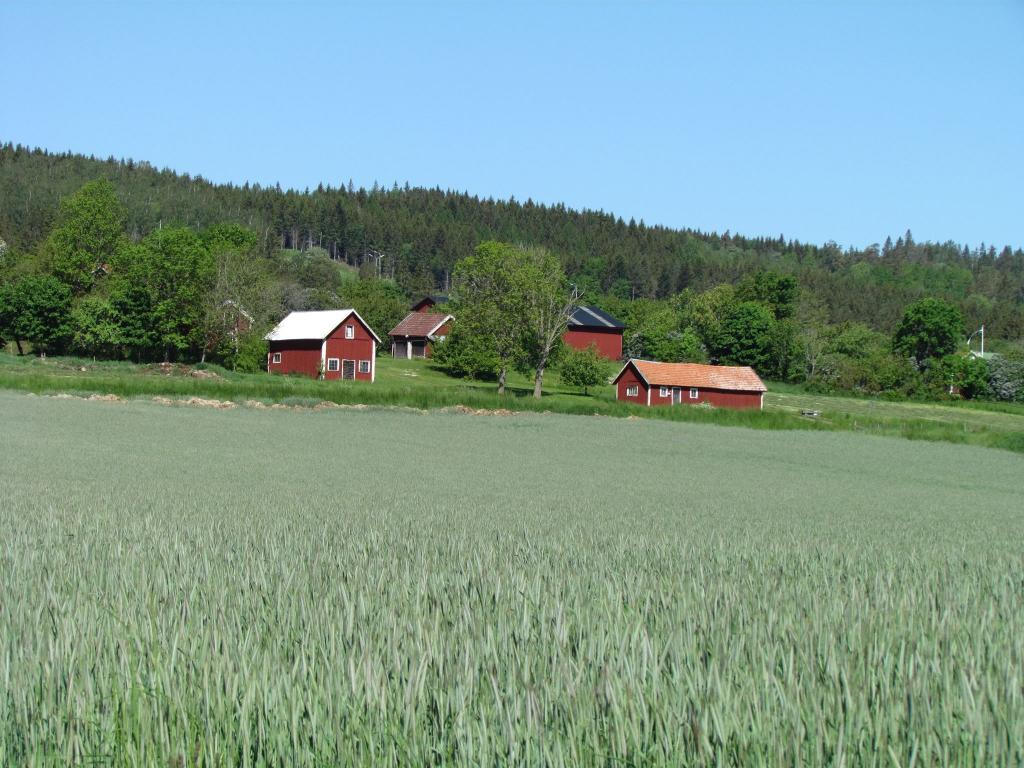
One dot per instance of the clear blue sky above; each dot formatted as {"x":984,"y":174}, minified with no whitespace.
{"x":819,"y":120}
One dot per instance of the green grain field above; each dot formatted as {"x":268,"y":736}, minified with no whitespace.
{"x":196,"y":587}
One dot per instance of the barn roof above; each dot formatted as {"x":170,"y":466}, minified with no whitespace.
{"x":432,"y":300}
{"x":592,"y":317}
{"x":420,"y":324}
{"x":314,"y":325}
{"x":734,"y":377}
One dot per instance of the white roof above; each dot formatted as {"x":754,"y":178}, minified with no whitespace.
{"x":313,"y":325}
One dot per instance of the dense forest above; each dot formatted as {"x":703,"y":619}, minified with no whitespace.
{"x":416,"y":235}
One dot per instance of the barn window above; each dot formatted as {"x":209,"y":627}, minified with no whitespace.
{"x":332,"y":364}
{"x":633,"y":390}
{"x":350,"y":331}
{"x":664,"y":391}
{"x":693,"y":393}
{"x":364,"y":366}
{"x":276,"y":357}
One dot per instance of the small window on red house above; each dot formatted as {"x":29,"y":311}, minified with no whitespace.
{"x":350,"y":331}
{"x":632,"y":390}
{"x":332,"y":364}
{"x":364,"y":366}
{"x":276,"y":357}
{"x":664,"y":392}
{"x":693,"y":393}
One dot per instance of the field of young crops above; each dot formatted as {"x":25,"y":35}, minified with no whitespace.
{"x":188,"y":586}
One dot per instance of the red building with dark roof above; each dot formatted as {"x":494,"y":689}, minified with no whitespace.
{"x":590,"y":325}
{"x":645,"y":382}
{"x":427,"y":303}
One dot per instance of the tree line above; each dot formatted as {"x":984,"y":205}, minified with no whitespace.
{"x":96,"y":284}
{"x":415,"y":236}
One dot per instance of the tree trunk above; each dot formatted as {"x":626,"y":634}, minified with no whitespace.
{"x":202,"y":357}
{"x":538,"y":381}
{"x":501,"y":380}
{"x":20,"y":350}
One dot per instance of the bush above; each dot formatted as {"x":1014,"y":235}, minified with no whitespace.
{"x":466,"y":356}
{"x":967,"y":375}
{"x":251,"y":356}
{"x":583,"y":368}
{"x":1006,"y":379}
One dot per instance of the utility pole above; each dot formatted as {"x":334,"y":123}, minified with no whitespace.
{"x":377,"y":256}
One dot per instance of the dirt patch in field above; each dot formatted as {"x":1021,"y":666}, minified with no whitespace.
{"x":197,"y":373}
{"x":201,"y":402}
{"x":94,"y":398}
{"x":466,"y":410}
{"x":196,"y":402}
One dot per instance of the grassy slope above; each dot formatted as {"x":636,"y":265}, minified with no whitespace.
{"x":414,"y":383}
{"x":201,"y":587}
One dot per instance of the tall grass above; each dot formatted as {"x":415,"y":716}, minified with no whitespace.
{"x":209,"y":588}
{"x":441,"y":392}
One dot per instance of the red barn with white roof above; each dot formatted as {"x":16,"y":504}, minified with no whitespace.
{"x":645,"y":382}
{"x":335,"y":344}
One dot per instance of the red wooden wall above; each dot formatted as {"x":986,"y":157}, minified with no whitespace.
{"x":608,"y":340}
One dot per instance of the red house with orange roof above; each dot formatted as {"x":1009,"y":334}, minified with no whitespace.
{"x":645,"y":382}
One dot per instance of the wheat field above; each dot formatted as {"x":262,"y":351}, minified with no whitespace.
{"x":195,"y":587}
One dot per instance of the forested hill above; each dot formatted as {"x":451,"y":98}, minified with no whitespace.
{"x":417,"y":234}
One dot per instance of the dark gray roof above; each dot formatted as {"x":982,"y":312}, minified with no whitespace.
{"x":434,"y":298}
{"x":592,"y":317}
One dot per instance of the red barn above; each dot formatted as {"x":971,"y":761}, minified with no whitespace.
{"x":590,"y":325}
{"x":416,"y":334}
{"x":645,"y":382}
{"x":334,"y":344}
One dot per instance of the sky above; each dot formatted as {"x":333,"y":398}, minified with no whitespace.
{"x":826,"y":120}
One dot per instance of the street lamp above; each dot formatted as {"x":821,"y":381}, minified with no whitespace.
{"x":982,"y":332}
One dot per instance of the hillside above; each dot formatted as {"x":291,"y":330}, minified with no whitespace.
{"x":415,"y":235}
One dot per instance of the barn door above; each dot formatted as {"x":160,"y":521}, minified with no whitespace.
{"x":677,"y":395}
{"x":348,"y":369}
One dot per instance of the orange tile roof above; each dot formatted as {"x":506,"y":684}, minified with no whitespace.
{"x":419,"y":324}
{"x":735,"y":377}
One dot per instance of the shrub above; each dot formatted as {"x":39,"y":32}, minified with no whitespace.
{"x":583,"y":368}
{"x":466,"y":356}
{"x":251,"y":356}
{"x":1006,"y":379}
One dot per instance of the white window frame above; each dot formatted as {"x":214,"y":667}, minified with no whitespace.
{"x":333,"y":364}
{"x":632,"y":390}
{"x":360,"y":369}
{"x":665,"y":392}
{"x":275,"y":358}
{"x":350,"y":331}
{"x":694,"y":393}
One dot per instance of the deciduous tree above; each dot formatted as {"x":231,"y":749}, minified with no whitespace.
{"x":489,"y":301}
{"x":930,"y":329}
{"x":36,"y":309}
{"x":88,"y":233}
